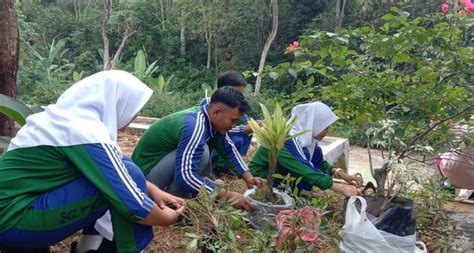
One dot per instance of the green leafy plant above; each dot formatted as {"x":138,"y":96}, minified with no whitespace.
{"x":52,"y":63}
{"x":142,"y":70}
{"x":404,"y":83}
{"x":215,"y":224}
{"x":77,"y":76}
{"x":272,"y":135}
{"x":17,"y":111}
{"x":159,"y":84}
{"x":146,"y":72}
{"x":209,"y":89}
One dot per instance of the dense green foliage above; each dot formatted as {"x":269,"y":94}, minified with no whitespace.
{"x":61,"y":41}
{"x":413,"y":68}
{"x":417,"y":72}
{"x":399,"y":75}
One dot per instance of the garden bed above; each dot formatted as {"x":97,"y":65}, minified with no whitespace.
{"x":170,"y":239}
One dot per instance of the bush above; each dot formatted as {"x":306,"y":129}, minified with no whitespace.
{"x":167,"y":103}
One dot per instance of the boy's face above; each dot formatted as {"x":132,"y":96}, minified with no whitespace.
{"x":322,"y":134}
{"x":223,"y":118}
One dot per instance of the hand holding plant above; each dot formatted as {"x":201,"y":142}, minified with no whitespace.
{"x":252,"y":181}
{"x":239,"y":201}
{"x":163,"y":198}
{"x":352,"y":180}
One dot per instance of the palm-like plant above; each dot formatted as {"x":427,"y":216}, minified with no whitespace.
{"x":17,"y":111}
{"x":272,"y":135}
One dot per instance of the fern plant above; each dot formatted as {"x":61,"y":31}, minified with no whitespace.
{"x":272,"y":135}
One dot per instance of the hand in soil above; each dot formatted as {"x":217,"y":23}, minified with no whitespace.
{"x":242,"y":202}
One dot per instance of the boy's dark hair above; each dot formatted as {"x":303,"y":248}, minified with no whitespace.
{"x":231,"y":78}
{"x":231,"y":97}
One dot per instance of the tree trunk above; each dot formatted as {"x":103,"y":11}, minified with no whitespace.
{"x":105,"y":28}
{"x":162,"y":9}
{"x":9,"y":52}
{"x":380,"y":176}
{"x":268,"y":43}
{"x":339,"y":14}
{"x":208,"y":37}
{"x":76,"y":9}
{"x":182,"y":37}
{"x":126,"y":35}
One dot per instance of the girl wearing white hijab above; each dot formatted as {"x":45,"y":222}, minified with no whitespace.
{"x":302,"y":157}
{"x":63,"y":170}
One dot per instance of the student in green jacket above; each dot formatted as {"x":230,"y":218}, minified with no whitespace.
{"x":302,"y":157}
{"x":174,"y":151}
{"x":241,"y":134}
{"x":64,"y":170}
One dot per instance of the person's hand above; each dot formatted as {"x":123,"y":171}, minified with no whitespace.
{"x":162,"y":216}
{"x":163,"y":199}
{"x":252,"y":181}
{"x":247,"y":129}
{"x":347,"y":190}
{"x":168,"y":216}
{"x":242,"y":202}
{"x":356,"y":181}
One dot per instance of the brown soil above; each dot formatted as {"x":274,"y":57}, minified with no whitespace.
{"x":169,"y":239}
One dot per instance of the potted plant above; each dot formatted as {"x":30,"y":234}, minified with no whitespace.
{"x":271,"y":134}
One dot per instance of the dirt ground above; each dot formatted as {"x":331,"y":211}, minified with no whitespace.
{"x":169,"y":239}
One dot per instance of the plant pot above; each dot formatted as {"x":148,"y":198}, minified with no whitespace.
{"x":264,"y":215}
{"x":398,"y":218}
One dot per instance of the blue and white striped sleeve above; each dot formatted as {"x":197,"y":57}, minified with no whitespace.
{"x":121,"y":181}
{"x":189,"y":152}
{"x":238,"y":129}
{"x":299,"y":153}
{"x":234,"y":155}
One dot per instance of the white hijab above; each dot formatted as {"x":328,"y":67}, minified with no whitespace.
{"x":90,"y":111}
{"x":315,"y":117}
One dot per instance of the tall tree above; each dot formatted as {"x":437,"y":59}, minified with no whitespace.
{"x":268,"y":43}
{"x":9,"y":53}
{"x":182,"y":37}
{"x":340,"y":6}
{"x":105,"y":37}
{"x":127,"y":31}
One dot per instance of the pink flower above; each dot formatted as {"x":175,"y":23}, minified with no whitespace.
{"x":469,"y":8}
{"x":444,"y":7}
{"x":392,"y":1}
{"x":465,"y":2}
{"x":292,"y":47}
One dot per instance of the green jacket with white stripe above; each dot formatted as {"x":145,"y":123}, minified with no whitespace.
{"x":187,"y":132}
